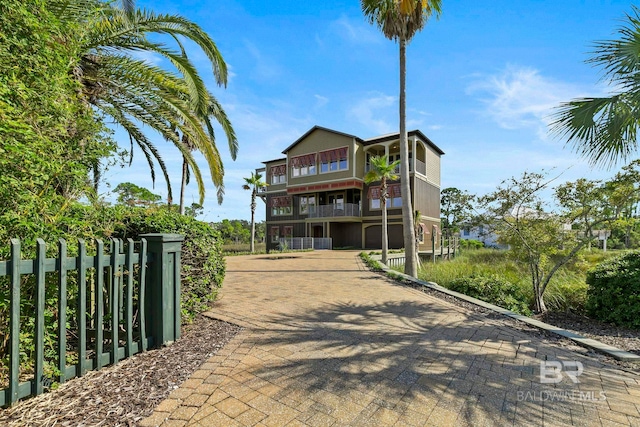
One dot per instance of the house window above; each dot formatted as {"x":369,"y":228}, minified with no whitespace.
{"x":303,"y":165}
{"x":465,"y":231}
{"x":307,"y":204}
{"x":281,"y":206}
{"x":334,"y":160}
{"x":288,"y":231}
{"x":278,"y":174}
{"x":275,"y":234}
{"x":394,"y":197}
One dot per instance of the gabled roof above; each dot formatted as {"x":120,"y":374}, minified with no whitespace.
{"x":313,"y":129}
{"x":392,"y":136}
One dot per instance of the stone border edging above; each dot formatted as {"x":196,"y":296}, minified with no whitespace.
{"x":608,"y":350}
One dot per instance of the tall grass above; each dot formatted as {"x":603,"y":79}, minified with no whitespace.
{"x":567,"y":290}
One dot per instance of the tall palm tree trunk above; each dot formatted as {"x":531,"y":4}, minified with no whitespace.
{"x":253,"y":221}
{"x":385,"y":233}
{"x":410,"y":266}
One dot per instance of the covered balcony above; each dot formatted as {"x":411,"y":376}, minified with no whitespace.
{"x":335,"y":210}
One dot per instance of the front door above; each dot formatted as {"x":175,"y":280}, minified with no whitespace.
{"x":317,"y":231}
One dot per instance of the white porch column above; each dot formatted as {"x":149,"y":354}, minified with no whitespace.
{"x":414,"y":155}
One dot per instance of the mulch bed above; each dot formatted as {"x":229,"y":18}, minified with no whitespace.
{"x":125,"y":393}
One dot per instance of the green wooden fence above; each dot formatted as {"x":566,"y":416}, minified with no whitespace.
{"x":126,"y":299}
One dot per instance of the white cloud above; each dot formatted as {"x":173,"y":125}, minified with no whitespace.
{"x":520,"y":97}
{"x":369,"y":111}
{"x":355,"y":31}
{"x":321,"y":101}
{"x":265,"y":68}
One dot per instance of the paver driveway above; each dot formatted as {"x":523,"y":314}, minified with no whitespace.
{"x":328,"y":343}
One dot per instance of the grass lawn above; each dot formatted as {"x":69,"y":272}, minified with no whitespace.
{"x":567,"y":290}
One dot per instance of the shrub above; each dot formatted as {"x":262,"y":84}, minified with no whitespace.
{"x":494,"y":290}
{"x":471,"y":244}
{"x":203,"y":265}
{"x":614,"y":290}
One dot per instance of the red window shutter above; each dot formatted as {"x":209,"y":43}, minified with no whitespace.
{"x":374,"y":193}
{"x":395,"y":190}
{"x":278,"y":170}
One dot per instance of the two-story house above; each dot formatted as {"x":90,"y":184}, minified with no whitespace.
{"x":317,"y":189}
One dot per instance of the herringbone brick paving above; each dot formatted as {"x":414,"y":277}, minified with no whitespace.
{"x":328,"y":343}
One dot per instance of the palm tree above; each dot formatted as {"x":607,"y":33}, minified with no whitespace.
{"x":400,"y":20}
{"x":253,"y":183}
{"x":604,"y":130}
{"x":134,"y":92}
{"x":382,"y":171}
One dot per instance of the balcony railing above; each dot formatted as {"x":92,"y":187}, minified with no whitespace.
{"x":421,"y":167}
{"x":331,"y":211}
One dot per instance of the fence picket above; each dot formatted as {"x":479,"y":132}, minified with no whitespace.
{"x":98,"y":322}
{"x":129,"y":303}
{"x":38,"y":373}
{"x":14,"y":334}
{"x":82,"y":308}
{"x":62,"y":309}
{"x":142,"y":294}
{"x":113,"y":297}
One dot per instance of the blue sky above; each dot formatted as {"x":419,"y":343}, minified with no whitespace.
{"x":481,"y":83}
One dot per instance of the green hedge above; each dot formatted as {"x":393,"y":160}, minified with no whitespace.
{"x":203,"y":265}
{"x":614,"y":290}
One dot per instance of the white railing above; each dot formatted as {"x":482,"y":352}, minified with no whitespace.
{"x":331,"y":211}
{"x":306,"y":243}
{"x":421,"y":167}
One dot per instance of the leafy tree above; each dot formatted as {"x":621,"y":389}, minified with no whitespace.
{"x":624,"y":196}
{"x":261,"y":231}
{"x":253,"y":183}
{"x":538,"y":237}
{"x":604,"y":130}
{"x":383,"y":171}
{"x":234,"y":231}
{"x":456,"y":208}
{"x":194,"y":210}
{"x":132,"y":195}
{"x":132,"y":91}
{"x":48,"y":138}
{"x":400,"y":20}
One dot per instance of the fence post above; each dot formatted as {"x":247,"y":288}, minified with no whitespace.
{"x":163,"y":287}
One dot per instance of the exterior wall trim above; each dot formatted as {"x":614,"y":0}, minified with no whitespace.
{"x":326,"y":186}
